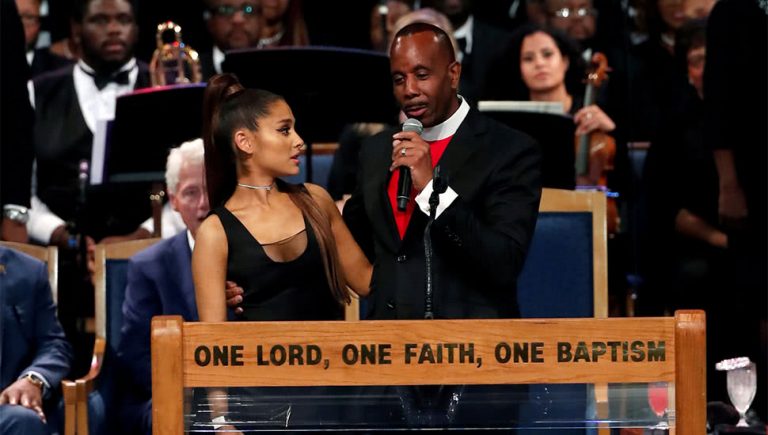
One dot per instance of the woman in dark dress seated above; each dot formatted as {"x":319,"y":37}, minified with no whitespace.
{"x":551,"y":70}
{"x":285,"y":245}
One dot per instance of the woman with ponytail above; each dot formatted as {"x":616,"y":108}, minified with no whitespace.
{"x":285,"y":245}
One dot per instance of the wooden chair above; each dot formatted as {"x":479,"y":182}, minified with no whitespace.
{"x":566,"y":271}
{"x":674,"y":348}
{"x":565,"y":275}
{"x":95,"y":390}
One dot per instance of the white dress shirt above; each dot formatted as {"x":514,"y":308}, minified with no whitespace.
{"x":95,"y":105}
{"x":440,"y":131}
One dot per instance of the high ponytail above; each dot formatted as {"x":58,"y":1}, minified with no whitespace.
{"x":227,"y":106}
{"x":220,"y":162}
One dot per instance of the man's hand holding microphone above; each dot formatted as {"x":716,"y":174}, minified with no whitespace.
{"x":411,"y":154}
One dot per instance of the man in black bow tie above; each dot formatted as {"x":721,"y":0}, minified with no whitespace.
{"x":70,"y":104}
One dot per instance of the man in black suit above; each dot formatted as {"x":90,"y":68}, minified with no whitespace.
{"x":485,"y":64}
{"x":40,"y":59}
{"x":484,"y":223}
{"x":69,"y":105}
{"x":16,"y":133}
{"x":486,"y":217}
{"x":232,"y":26}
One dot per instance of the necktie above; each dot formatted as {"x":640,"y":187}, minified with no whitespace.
{"x":102,"y":80}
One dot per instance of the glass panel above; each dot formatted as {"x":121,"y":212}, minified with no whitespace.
{"x":540,"y":407}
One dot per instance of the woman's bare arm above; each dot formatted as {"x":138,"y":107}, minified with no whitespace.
{"x":357,"y":269}
{"x":209,"y":270}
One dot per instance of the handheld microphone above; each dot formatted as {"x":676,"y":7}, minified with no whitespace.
{"x":404,"y":183}
{"x":82,"y":179}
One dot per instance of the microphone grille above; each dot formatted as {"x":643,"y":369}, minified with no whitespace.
{"x":412,"y":124}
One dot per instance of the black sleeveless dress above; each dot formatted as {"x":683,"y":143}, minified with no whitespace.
{"x":273,"y":291}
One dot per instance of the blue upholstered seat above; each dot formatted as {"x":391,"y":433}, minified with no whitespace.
{"x":321,"y":169}
{"x":100,"y":384}
{"x":102,"y":400}
{"x":557,"y":281}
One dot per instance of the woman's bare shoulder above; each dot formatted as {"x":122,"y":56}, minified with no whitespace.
{"x":210,"y":231}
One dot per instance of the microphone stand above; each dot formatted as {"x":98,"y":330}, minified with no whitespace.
{"x":77,"y":236}
{"x":439,"y":185}
{"x":432,"y":405}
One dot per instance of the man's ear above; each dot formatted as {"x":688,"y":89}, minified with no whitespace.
{"x":454,"y":72}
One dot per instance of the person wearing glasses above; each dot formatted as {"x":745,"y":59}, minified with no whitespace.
{"x":232,"y":25}
{"x":576,"y":18}
{"x":40,"y":59}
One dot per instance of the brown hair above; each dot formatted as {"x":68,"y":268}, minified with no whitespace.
{"x":227,"y":106}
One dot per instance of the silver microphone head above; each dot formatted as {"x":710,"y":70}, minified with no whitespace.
{"x":413,"y":124}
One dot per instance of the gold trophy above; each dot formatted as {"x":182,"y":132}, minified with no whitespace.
{"x":173,"y":62}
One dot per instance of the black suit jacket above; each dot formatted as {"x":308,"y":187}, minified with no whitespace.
{"x":206,"y":65}
{"x":486,"y":72}
{"x":45,"y":61}
{"x":16,"y":152}
{"x":61,"y":140}
{"x":479,"y":242}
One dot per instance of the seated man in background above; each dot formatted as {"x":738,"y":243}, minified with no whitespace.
{"x":160,"y":283}
{"x":34,"y":355}
{"x":40,"y":59}
{"x":232,"y":26}
{"x":70,"y":103}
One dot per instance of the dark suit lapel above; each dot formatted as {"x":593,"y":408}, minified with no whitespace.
{"x":461,"y":147}
{"x":380,"y":210}
{"x":142,"y":80}
{"x":456,"y":153}
{"x":180,"y":270}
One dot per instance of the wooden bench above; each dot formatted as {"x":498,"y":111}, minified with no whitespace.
{"x":674,"y":354}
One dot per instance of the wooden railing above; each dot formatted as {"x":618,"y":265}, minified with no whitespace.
{"x":610,"y":350}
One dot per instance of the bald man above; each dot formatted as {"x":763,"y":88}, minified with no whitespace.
{"x":486,"y":217}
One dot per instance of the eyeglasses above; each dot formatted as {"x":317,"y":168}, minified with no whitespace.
{"x":574,"y":13}
{"x":226,"y":11}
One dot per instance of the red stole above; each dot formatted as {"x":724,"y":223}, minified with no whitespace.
{"x":436,"y":150}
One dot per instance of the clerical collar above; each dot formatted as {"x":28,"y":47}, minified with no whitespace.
{"x":448,"y":127}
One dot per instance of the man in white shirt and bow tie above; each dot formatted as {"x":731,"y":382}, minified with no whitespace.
{"x":69,"y":103}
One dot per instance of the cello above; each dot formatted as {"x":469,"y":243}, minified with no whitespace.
{"x":595,"y":151}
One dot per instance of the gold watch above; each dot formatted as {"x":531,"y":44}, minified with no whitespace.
{"x":35,"y":380}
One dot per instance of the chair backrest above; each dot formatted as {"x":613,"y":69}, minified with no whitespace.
{"x":565,"y":275}
{"x":48,"y":255}
{"x":96,"y":411}
{"x":322,"y":160}
{"x":110,"y":281}
{"x":566,"y":270}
